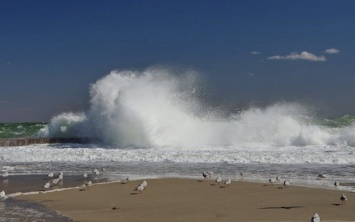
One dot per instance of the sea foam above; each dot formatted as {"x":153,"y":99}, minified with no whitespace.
{"x":159,"y":107}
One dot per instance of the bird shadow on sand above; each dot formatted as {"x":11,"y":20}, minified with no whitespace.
{"x":336,"y":204}
{"x":213,"y":184}
{"x":134,"y":193}
{"x":282,"y":207}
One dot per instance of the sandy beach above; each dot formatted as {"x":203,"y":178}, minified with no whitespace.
{"x":197,"y":200}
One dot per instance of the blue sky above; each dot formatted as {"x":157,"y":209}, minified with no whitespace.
{"x":249,"y":52}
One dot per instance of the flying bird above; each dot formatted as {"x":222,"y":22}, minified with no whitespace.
{"x":315,"y":218}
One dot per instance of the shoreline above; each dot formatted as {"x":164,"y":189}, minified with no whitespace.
{"x":187,"y":199}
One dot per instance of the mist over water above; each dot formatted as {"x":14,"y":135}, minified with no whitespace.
{"x":158,"y":107}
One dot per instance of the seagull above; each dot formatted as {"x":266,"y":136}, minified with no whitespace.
{"x":103,"y":170}
{"x":96,"y":172}
{"x":315,"y":218}
{"x":278,"y":178}
{"x":272,"y":181}
{"x":241,"y":175}
{"x":60,"y":177}
{"x":127,"y":180}
{"x":286,"y":183}
{"x":205,"y":175}
{"x":47,"y":185}
{"x":140,"y":188}
{"x":322,"y":176}
{"x":219,"y":179}
{"x":228,"y":182}
{"x":50,"y":174}
{"x":336,"y":184}
{"x":6,"y":174}
{"x":88,"y":184}
{"x":2,"y":195}
{"x":144,"y":184}
{"x":55,"y":181}
{"x":210,"y":174}
{"x":343,"y":198}
{"x":85,"y":175}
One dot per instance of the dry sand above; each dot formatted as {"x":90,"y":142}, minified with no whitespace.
{"x":197,"y":200}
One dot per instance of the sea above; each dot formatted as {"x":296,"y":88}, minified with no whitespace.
{"x":157,"y":124}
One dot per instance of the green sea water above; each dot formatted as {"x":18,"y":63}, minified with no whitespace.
{"x":19,"y":130}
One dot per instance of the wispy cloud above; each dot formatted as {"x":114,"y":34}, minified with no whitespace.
{"x":332,"y":51}
{"x":301,"y":56}
{"x":255,"y":52}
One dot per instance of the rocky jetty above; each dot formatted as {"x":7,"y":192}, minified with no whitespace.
{"x":29,"y":141}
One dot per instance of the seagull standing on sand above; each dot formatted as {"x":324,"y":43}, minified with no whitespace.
{"x":140,"y":188}
{"x":343,"y":198}
{"x":205,"y":175}
{"x":278,"y":178}
{"x":219,"y":179}
{"x":272,"y":181}
{"x":286,"y":183}
{"x":315,"y":218}
{"x":144,"y":184}
{"x":88,"y":184}
{"x":2,"y":194}
{"x":241,"y":176}
{"x":228,"y":182}
{"x":47,"y":185}
{"x":210,"y":174}
{"x":336,"y":184}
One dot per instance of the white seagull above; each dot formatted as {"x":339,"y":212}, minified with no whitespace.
{"x":219,"y":179}
{"x":210,"y":174}
{"x":315,"y":218}
{"x":140,"y":188}
{"x":144,"y":184}
{"x":278,"y":178}
{"x":343,"y":198}
{"x":6,"y":174}
{"x":228,"y":182}
{"x":85,"y":175}
{"x":88,"y":184}
{"x":2,"y":195}
{"x":272,"y":181}
{"x":205,"y":175}
{"x":336,"y":184}
{"x":286,"y":183}
{"x":50,"y":174}
{"x":47,"y":185}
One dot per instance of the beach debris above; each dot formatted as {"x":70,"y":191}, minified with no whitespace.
{"x":2,"y":194}
{"x":322,"y":176}
{"x":47,"y":185}
{"x":343,"y":198}
{"x":315,"y":218}
{"x":50,"y":175}
{"x":286,"y":183}
{"x":85,"y":175}
{"x":336,"y":184}
{"x":228,"y":182}
{"x":219,"y":179}
{"x":272,"y":181}
{"x":6,"y":174}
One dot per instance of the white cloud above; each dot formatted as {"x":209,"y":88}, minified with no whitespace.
{"x":303,"y":55}
{"x":255,"y":53}
{"x":332,"y":51}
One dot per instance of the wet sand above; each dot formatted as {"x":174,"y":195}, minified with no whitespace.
{"x":197,"y":200}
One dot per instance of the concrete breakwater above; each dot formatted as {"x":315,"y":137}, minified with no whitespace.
{"x":29,"y":141}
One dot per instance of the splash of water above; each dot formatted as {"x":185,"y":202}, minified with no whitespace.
{"x":156,"y":107}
